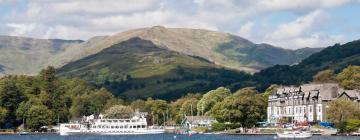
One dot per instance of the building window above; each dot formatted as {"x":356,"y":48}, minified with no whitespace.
{"x":289,"y":111}
{"x":304,"y":109}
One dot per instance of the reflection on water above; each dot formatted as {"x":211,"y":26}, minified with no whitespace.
{"x":159,"y":137}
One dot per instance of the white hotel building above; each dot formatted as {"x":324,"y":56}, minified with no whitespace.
{"x":306,"y":103}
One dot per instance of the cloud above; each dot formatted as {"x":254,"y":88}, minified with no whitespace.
{"x":298,"y":27}
{"x":3,"y":2}
{"x":317,"y":40}
{"x":246,"y":29}
{"x":302,"y":32}
{"x":20,"y":29}
{"x":83,"y":19}
{"x":300,"y":5}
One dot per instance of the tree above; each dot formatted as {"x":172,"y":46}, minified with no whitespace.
{"x":341,"y":110}
{"x":349,"y":78}
{"x":246,"y":106}
{"x":158,"y":109}
{"x":48,"y":76}
{"x":82,"y":105}
{"x":139,"y":105}
{"x":3,"y":114}
{"x":119,"y":112}
{"x":211,"y":98}
{"x":25,"y":106}
{"x":189,"y":107}
{"x":10,"y":97}
{"x":92,"y":103}
{"x":325,"y":76}
{"x":38,"y":116}
{"x":100,"y":98}
{"x":112,"y":102}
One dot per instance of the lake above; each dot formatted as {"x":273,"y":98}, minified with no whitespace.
{"x":159,"y":137}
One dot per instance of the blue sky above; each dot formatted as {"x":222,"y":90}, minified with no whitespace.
{"x":285,"y":23}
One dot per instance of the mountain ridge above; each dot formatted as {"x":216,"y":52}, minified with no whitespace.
{"x":336,"y":57}
{"x":195,"y":42}
{"x":138,"y":68}
{"x":25,"y":55}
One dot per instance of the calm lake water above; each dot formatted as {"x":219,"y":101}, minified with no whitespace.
{"x":159,"y":137}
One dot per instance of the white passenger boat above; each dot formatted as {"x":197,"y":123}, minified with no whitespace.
{"x":294,"y":134}
{"x":104,"y":126}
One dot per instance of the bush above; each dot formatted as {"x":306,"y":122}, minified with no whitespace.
{"x":201,"y":129}
{"x":223,"y":126}
{"x":352,"y":125}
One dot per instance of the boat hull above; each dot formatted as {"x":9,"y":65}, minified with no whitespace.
{"x":129,"y":132}
{"x":294,"y":135}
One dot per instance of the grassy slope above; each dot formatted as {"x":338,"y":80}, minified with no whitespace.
{"x":21,"y":55}
{"x":155,"y":72}
{"x":336,"y":57}
{"x":242,"y":52}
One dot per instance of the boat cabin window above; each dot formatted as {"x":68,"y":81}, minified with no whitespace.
{"x":127,"y":120}
{"x":102,"y":120}
{"x":121,"y":121}
{"x":112,"y":127}
{"x":130,"y":126}
{"x":143,"y":126}
{"x":133,"y":120}
{"x":116,"y":126}
{"x":109,"y":121}
{"x":115,"y":120}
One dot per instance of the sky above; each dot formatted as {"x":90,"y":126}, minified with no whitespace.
{"x":289,"y":24}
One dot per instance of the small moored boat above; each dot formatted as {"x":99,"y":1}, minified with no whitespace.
{"x":294,"y":134}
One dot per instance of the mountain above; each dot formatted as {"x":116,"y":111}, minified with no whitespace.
{"x":21,"y":55}
{"x":138,"y":68}
{"x":220,"y":48}
{"x":335,"y":57}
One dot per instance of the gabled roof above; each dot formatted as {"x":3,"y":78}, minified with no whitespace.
{"x":325,"y":91}
{"x":351,"y":94}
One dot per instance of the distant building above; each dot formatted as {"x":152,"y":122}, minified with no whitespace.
{"x":199,"y":121}
{"x":307,"y":102}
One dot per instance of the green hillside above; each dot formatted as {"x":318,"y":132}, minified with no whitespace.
{"x":22,"y":55}
{"x":336,"y":58}
{"x":241,"y":52}
{"x":138,"y":68}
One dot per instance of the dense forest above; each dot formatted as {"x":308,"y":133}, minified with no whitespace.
{"x":45,"y":99}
